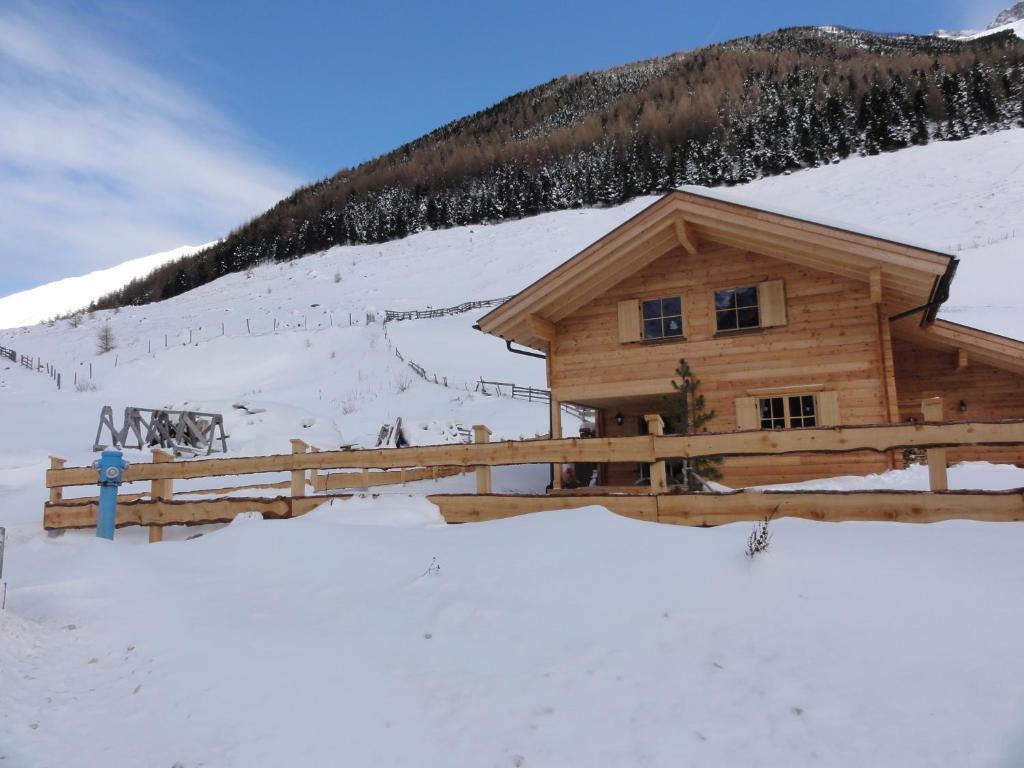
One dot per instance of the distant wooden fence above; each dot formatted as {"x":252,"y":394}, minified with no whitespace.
{"x":531,"y":395}
{"x":305,"y":464}
{"x":426,"y":314}
{"x":33,"y":364}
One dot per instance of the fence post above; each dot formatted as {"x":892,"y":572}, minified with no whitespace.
{"x":57,"y":494}
{"x":160,"y":489}
{"x":936,"y":457}
{"x":482,"y":434}
{"x":314,"y":474}
{"x":298,"y":485}
{"x":659,"y":481}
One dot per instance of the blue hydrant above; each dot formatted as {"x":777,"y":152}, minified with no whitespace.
{"x":111,"y":468}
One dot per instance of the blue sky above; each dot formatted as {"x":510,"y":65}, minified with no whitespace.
{"x":135,"y":127}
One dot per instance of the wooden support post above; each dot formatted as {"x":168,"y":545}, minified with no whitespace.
{"x":160,"y":489}
{"x":314,"y":474}
{"x":875,"y":285}
{"x":961,"y":359}
{"x":482,"y":434}
{"x":556,"y":434}
{"x":659,"y":479}
{"x":298,"y":484}
{"x":365,"y":477}
{"x":57,"y":494}
{"x":936,"y":457}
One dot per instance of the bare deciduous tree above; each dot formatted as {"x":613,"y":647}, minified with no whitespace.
{"x":105,"y":340}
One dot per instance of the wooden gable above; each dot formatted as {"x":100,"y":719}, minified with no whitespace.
{"x":906,"y":276}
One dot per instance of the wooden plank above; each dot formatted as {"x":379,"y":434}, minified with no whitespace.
{"x":938,"y":479}
{"x":659,"y":480}
{"x":772,"y":298}
{"x":337,"y":480}
{"x":56,"y":494}
{"x":838,"y":506}
{"x":167,"y":511}
{"x":298,"y":479}
{"x":543,"y":327}
{"x":687,"y":236}
{"x":705,"y":509}
{"x":877,"y":437}
{"x":629,"y":321}
{"x":875,"y":285}
{"x":472,"y":508}
{"x":482,"y":434}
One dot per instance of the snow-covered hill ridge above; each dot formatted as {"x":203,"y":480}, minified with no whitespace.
{"x":1008,"y":20}
{"x":72,"y":293}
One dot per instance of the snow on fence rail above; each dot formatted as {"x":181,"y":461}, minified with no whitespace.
{"x":425,"y":314}
{"x":688,"y":508}
{"x":33,"y":364}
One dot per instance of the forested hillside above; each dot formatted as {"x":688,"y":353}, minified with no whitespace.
{"x":725,"y":114}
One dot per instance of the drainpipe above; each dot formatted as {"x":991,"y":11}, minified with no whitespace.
{"x":508,"y":346}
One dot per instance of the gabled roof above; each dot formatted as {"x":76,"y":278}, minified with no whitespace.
{"x":911,"y":276}
{"x":980,"y":346}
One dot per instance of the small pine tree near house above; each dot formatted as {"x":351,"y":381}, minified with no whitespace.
{"x":688,"y":414}
{"x":105,"y":340}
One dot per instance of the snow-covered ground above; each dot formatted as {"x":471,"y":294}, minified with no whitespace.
{"x":57,"y":298}
{"x":572,"y":638}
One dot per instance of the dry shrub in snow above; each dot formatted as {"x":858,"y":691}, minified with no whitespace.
{"x":86,"y":385}
{"x":402,"y":384}
{"x":760,"y":537}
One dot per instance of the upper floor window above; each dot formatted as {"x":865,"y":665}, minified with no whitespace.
{"x":791,"y":411}
{"x":662,"y":318}
{"x":737,"y":308}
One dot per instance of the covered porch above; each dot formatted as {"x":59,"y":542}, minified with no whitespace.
{"x":616,"y":417}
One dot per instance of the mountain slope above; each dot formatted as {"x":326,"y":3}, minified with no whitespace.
{"x":725,"y":114}
{"x":62,"y":296}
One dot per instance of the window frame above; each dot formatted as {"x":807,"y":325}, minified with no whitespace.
{"x":662,"y":317}
{"x":715,"y":311}
{"x":787,"y":416}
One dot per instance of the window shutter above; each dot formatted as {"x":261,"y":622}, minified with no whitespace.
{"x":629,"y":320}
{"x":828,"y":409}
{"x":746,"y":413}
{"x":772,"y":298}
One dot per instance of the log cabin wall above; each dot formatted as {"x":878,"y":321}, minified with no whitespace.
{"x":832,"y":342}
{"x":989,"y":393}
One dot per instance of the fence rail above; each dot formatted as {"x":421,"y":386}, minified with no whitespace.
{"x":426,"y":314}
{"x":32,"y":364}
{"x":305,"y":465}
{"x":643,"y":449}
{"x":531,"y":394}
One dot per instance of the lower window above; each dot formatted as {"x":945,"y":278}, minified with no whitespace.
{"x":789,"y":412}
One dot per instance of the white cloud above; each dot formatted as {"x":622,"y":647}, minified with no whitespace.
{"x":102,"y":160}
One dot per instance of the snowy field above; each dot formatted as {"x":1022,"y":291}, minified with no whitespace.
{"x":562,"y":639}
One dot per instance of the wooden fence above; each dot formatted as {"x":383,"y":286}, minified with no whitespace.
{"x":33,"y":364}
{"x":656,"y":502}
{"x":426,"y":314}
{"x":531,"y":395}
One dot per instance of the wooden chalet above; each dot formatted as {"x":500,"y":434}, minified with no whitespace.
{"x":787,"y":323}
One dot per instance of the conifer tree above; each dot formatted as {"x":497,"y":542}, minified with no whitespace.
{"x":688,"y":415}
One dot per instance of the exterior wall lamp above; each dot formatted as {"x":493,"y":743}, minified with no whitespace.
{"x":619,"y":418}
